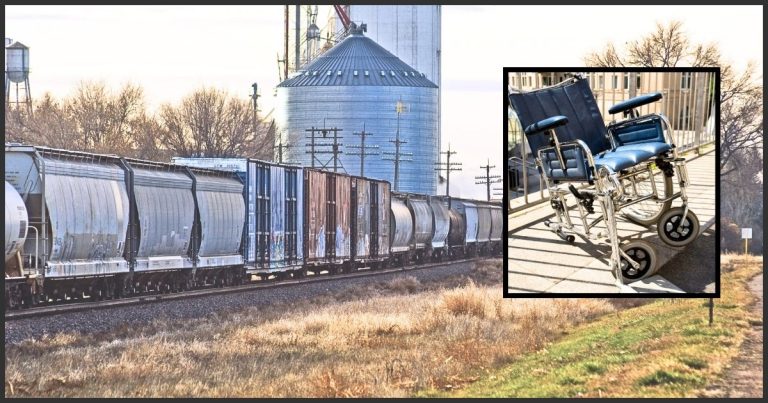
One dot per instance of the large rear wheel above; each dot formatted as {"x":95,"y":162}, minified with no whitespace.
{"x":649,"y":211}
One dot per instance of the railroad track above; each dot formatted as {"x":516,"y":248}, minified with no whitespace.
{"x":145,"y":299}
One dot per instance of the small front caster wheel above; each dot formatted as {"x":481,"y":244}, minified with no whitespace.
{"x":675,"y":231}
{"x":644,"y":255}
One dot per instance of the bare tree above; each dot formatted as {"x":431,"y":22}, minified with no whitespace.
{"x":146,"y":133}
{"x":667,"y":46}
{"x":211,"y":123}
{"x":103,"y":119}
{"x":48,"y":126}
{"x":741,"y":95}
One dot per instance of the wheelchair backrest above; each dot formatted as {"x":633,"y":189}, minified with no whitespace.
{"x":573,"y":99}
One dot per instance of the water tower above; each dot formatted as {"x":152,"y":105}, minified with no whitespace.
{"x":17,"y":73}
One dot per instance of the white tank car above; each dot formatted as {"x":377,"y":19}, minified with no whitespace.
{"x":15,"y":222}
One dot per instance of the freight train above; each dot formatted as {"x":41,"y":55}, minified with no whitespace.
{"x":81,"y":225}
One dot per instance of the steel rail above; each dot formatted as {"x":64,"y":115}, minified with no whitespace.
{"x":264,"y":284}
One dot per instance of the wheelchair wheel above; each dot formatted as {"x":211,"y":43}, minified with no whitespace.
{"x":647,"y":212}
{"x":675,"y":233}
{"x":642,"y":253}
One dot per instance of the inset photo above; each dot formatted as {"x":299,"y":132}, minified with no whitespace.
{"x":612,"y":182}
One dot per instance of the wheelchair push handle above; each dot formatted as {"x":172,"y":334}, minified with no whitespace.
{"x":636,"y":102}
{"x":546,"y":124}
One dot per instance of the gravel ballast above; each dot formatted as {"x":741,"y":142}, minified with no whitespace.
{"x":109,"y":319}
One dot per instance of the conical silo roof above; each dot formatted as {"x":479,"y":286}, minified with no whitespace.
{"x":358,"y":60}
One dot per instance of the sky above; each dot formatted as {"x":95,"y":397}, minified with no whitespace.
{"x":172,"y":50}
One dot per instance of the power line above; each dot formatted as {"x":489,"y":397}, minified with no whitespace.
{"x":362,"y":147}
{"x":488,"y":179}
{"x":280,"y":146}
{"x":335,"y":146}
{"x":397,"y":155}
{"x":448,"y":166}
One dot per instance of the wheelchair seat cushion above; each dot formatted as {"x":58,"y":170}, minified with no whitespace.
{"x":617,"y":161}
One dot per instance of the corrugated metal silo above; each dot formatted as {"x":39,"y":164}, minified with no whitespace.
{"x":411,"y":32}
{"x":357,"y":84}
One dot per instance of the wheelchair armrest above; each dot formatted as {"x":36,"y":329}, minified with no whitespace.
{"x":634,"y":103}
{"x":546,"y":124}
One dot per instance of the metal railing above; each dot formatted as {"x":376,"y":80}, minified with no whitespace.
{"x":688,"y":102}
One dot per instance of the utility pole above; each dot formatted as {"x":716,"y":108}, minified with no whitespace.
{"x":285,"y":52}
{"x":297,"y":39}
{"x":488,"y":179}
{"x":335,"y":146}
{"x":362,"y":147}
{"x":448,"y":166}
{"x":254,"y":99}
{"x":280,"y":146}
{"x":397,"y":155}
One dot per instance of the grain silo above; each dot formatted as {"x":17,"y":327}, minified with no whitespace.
{"x":357,"y":84}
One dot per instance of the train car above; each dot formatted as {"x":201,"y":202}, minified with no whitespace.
{"x":275,"y":228}
{"x":423,"y":225}
{"x":218,"y":230}
{"x":327,"y":216}
{"x":483,"y":227}
{"x":78,"y":205}
{"x":370,"y":221}
{"x":401,"y":231}
{"x":441,"y":221}
{"x":16,"y":220}
{"x":497,"y":227}
{"x":162,"y":214}
{"x":457,"y":233}
{"x":467,"y":211}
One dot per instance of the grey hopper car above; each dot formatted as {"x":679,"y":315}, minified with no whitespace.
{"x":497,"y":227}
{"x":483,"y":222}
{"x":458,"y":230}
{"x":78,"y":204}
{"x":220,"y":218}
{"x":162,"y":216}
{"x":442,"y":223}
{"x":423,"y":224}
{"x":401,"y":230}
{"x":468,"y":211}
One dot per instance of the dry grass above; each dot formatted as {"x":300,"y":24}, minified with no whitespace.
{"x":406,"y":337}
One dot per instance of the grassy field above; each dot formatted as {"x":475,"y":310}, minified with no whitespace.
{"x":663,"y":349}
{"x":400,"y":339}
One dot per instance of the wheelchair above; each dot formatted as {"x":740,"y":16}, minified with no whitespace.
{"x":627,"y":168}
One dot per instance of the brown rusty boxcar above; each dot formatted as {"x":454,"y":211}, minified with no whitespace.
{"x":327,"y":217}
{"x":339,"y":218}
{"x":315,"y":216}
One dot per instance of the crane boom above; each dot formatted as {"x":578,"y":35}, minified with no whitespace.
{"x":345,"y":21}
